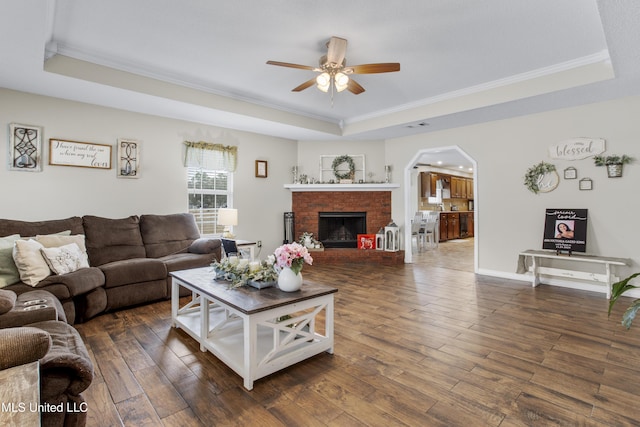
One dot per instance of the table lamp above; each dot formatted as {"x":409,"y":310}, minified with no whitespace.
{"x":227,"y":217}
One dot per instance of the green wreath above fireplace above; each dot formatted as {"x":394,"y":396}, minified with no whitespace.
{"x":340,"y":160}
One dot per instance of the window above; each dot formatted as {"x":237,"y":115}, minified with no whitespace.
{"x":209,"y":190}
{"x":210,"y":170}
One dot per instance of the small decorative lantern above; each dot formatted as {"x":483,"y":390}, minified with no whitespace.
{"x":380,"y":239}
{"x":392,"y":237}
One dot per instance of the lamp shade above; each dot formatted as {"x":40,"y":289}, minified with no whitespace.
{"x":227,"y":216}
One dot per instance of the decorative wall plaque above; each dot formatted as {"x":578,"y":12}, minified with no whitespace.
{"x":576,"y":148}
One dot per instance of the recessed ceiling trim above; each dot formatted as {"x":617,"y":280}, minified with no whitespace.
{"x":597,"y":58}
{"x":583,"y":71}
{"x":92,"y":72}
{"x":53,"y":48}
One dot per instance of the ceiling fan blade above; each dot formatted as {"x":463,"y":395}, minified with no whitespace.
{"x":287,"y":64}
{"x":386,"y":67}
{"x":354,"y":87}
{"x":304,"y":85}
{"x":336,"y":50}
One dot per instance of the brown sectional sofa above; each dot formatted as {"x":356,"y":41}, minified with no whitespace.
{"x":130,"y":259}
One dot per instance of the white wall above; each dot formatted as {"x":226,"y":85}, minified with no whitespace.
{"x":60,"y":191}
{"x":309,"y":153}
{"x":510,"y":217}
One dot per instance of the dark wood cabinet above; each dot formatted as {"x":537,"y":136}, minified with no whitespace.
{"x":449,"y":226}
{"x":456,"y":225}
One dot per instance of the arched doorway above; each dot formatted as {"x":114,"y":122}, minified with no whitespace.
{"x":430,"y":156}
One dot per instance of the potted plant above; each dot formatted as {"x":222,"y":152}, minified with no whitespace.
{"x":617,"y":290}
{"x":613,"y":163}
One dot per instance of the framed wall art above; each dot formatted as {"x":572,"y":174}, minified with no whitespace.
{"x":261,"y":168}
{"x":570,"y":173}
{"x":79,"y":154}
{"x":585,"y":184}
{"x":25,"y":148}
{"x":128,"y":158}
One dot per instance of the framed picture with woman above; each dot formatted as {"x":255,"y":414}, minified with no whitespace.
{"x":565,"y":230}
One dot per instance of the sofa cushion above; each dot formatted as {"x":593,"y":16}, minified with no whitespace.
{"x":8,"y":271}
{"x":30,"y":262}
{"x":110,"y":240}
{"x":7,"y":300}
{"x":27,"y":228}
{"x":168,"y":234}
{"x":129,"y":271}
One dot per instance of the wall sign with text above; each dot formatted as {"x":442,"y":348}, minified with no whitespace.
{"x":80,"y":154}
{"x":576,"y":148}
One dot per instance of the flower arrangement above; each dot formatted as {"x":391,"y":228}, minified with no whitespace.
{"x":292,"y":255}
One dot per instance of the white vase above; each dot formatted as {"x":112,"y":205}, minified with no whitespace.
{"x":289,"y":281}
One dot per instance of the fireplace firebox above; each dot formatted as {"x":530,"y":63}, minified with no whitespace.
{"x":341,"y":229}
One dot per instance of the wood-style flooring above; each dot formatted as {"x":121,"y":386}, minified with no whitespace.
{"x":425,"y":344}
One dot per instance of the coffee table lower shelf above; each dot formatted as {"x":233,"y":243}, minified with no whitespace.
{"x":257,"y":344}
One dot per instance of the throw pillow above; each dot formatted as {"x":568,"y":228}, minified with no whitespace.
{"x":30,"y":262}
{"x":65,"y":259}
{"x":7,"y":301}
{"x":57,"y":240}
{"x":8,"y":270}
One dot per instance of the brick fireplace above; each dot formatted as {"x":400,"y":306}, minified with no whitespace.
{"x":307,"y":206}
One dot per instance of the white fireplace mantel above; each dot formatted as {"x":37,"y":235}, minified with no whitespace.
{"x":341,"y":187}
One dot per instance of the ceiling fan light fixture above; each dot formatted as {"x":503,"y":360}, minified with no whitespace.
{"x":323,"y":82}
{"x":342,"y":81}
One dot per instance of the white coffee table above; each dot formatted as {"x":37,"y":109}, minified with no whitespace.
{"x":253,"y":331}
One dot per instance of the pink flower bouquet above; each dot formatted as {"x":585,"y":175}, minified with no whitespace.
{"x":292,"y":255}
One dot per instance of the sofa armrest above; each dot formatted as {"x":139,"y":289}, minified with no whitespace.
{"x":22,"y":345}
{"x":78,"y":282}
{"x":66,"y":368}
{"x":206,"y":246}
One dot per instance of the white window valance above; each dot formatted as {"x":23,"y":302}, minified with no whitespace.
{"x":205,"y":155}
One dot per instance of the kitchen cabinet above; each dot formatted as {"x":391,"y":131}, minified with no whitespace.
{"x":470,"y":189}
{"x":456,"y":225}
{"x":449,"y":226}
{"x":466,"y":224}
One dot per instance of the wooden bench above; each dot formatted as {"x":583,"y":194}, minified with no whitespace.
{"x":608,"y":278}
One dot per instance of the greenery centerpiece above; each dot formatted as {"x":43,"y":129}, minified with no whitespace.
{"x":239,"y":273}
{"x":613,"y":163}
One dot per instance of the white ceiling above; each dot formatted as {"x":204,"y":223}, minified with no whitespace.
{"x":462,"y":61}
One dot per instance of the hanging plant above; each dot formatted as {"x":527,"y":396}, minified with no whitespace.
{"x":532,"y":177}
{"x":338,"y":161}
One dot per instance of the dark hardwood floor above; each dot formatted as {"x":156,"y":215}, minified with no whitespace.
{"x":426,"y":344}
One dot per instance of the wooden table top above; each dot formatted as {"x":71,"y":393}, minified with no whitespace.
{"x":247,"y":299}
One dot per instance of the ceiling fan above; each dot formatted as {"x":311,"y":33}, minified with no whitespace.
{"x":334,"y":71}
